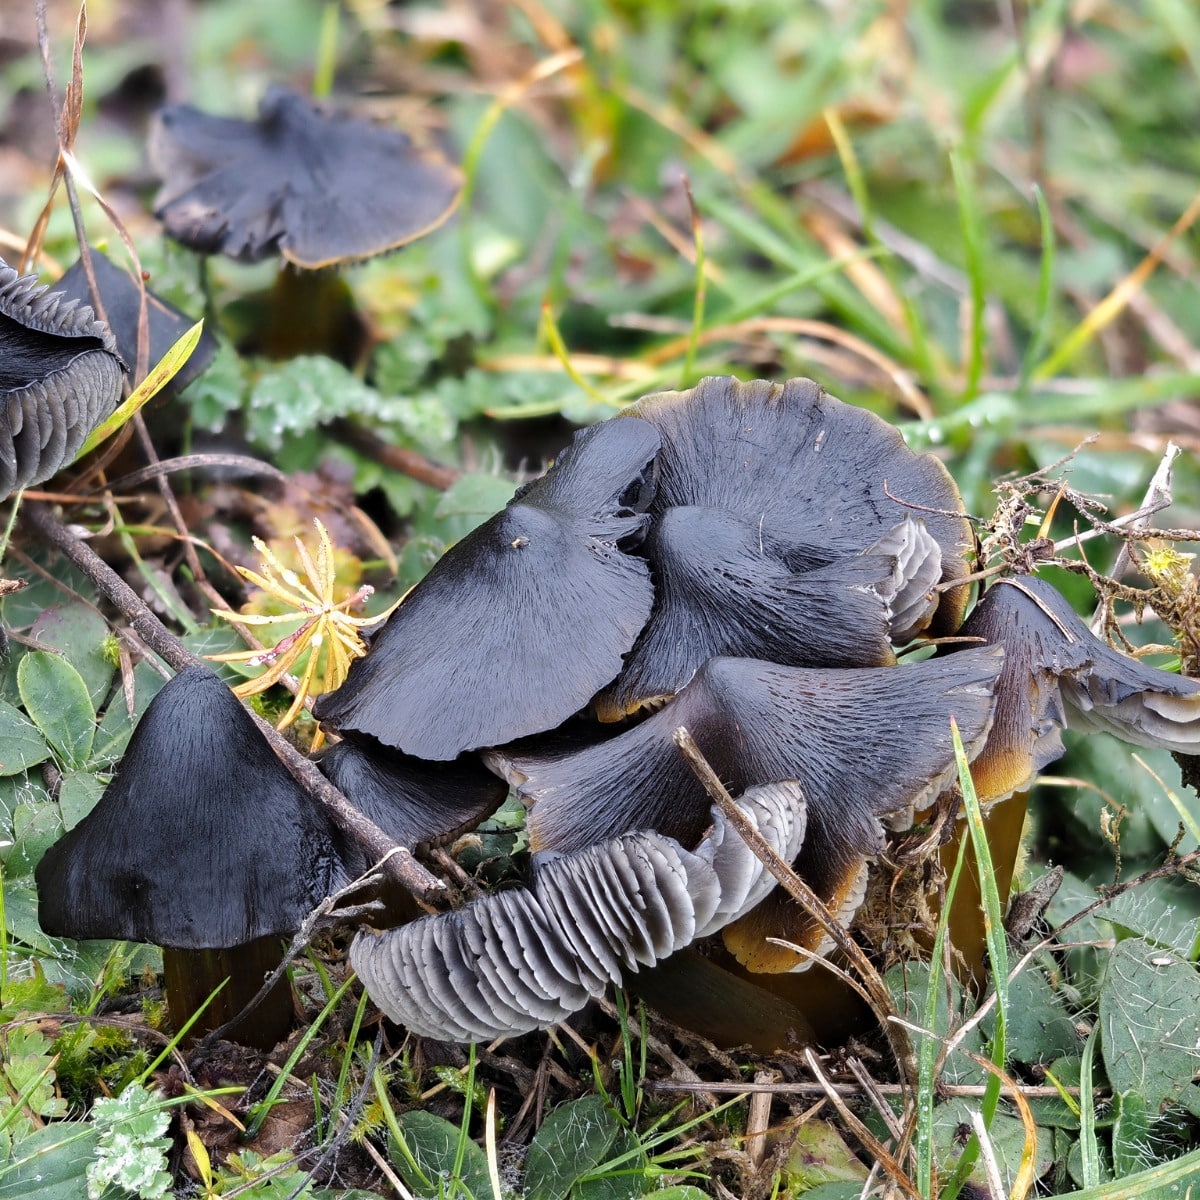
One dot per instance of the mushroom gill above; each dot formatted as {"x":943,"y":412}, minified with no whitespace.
{"x":527,"y":958}
{"x":1058,"y":674}
{"x":60,"y":376}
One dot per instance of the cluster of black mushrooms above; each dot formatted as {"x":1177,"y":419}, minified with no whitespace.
{"x":741,"y":561}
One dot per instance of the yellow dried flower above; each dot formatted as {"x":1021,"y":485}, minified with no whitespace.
{"x":329,"y":633}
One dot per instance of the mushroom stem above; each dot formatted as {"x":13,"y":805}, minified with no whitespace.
{"x":397,"y":864}
{"x":191,"y":976}
{"x":1004,"y":822}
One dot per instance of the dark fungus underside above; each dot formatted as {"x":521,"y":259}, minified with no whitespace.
{"x":60,"y":377}
{"x":860,"y":743}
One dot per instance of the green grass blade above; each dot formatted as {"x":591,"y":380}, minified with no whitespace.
{"x":1045,"y":292}
{"x":997,"y":947}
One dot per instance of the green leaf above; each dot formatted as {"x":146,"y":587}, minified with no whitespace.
{"x":78,"y":632}
{"x":57,"y":701}
{"x":21,"y":916}
{"x":50,"y":1164}
{"x":1131,"y":1134}
{"x":425,"y":1160}
{"x":1150,"y":1021}
{"x":622,"y":1174}
{"x":219,"y":391}
{"x":1006,"y":1134}
{"x":573,"y":1140}
{"x":21,"y":745}
{"x":301,"y":395}
{"x":77,"y":796}
{"x":476,"y":495}
{"x":33,"y":995}
{"x":117,"y":724}
{"x":1039,"y":1029}
{"x":36,"y":827}
{"x":820,"y":1155}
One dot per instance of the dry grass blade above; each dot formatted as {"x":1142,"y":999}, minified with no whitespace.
{"x":896,"y":375}
{"x":870,"y":1142}
{"x":1026,"y":1172}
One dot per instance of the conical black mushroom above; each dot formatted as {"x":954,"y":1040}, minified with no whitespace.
{"x":807,"y":470}
{"x":416,"y":802}
{"x":1058,"y":674}
{"x":165,"y":324}
{"x":522,"y":622}
{"x":60,"y":376}
{"x":724,"y":588}
{"x":318,"y":190}
{"x":203,"y":842}
{"x":860,"y":743}
{"x":524,"y":959}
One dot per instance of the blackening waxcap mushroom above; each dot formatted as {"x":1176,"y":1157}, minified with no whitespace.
{"x":1058,"y":673}
{"x":413,"y":801}
{"x":319,"y":190}
{"x":165,"y":324}
{"x":861,"y":744}
{"x":524,"y":620}
{"x":202,"y":840}
{"x":823,"y":476}
{"x":60,"y":376}
{"x":723,"y":587}
{"x":527,"y":958}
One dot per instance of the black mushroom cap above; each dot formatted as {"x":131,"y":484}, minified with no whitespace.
{"x":203,"y":840}
{"x":415,"y":802}
{"x":1058,"y":673}
{"x":318,"y":190}
{"x":860,"y":743}
{"x":523,"y":959}
{"x":165,"y":324}
{"x":521,"y":623}
{"x":723,"y":588}
{"x":60,"y":376}
{"x":824,"y":477}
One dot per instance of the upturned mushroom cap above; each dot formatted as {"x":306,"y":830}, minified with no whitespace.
{"x":122,"y":304}
{"x":825,"y":477}
{"x":860,"y":743}
{"x":1058,"y":674}
{"x":524,"y":959}
{"x":521,"y":623}
{"x":203,"y":840}
{"x":416,"y":802}
{"x":60,"y":376}
{"x":724,"y":588}
{"x":318,"y":190}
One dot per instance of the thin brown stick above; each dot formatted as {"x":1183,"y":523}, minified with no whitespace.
{"x":851,"y":1091}
{"x":870,"y":1142}
{"x":407,"y":462}
{"x":880,"y":1000}
{"x":400,"y":866}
